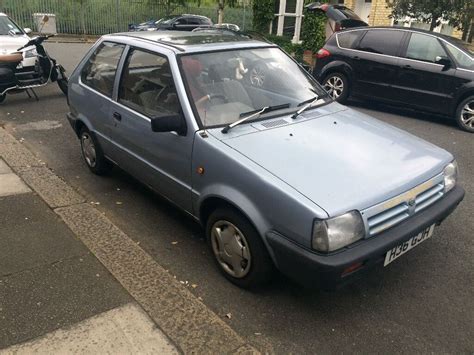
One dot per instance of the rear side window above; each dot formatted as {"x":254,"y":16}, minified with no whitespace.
{"x":348,"y":39}
{"x":147,"y":85}
{"x":381,"y":42}
{"x":425,"y":48}
{"x":99,"y":71}
{"x":193,"y":21}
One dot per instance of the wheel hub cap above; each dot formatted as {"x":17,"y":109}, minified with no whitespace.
{"x":467,"y":114}
{"x":88,"y":150}
{"x":230,"y":248}
{"x":334,"y":86}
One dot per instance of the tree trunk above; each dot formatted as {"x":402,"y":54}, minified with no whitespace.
{"x":220,"y":17}
{"x":434,"y":20}
{"x":471,"y":33}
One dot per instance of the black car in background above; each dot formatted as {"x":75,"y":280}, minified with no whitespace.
{"x":184,"y":22}
{"x":402,"y":66}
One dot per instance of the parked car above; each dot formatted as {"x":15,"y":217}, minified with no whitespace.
{"x":229,"y":26}
{"x":401,"y":66}
{"x":13,"y":37}
{"x":339,"y":17}
{"x":278,"y":175}
{"x":184,"y":22}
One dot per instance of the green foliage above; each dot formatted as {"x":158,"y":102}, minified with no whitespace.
{"x":313,"y":31}
{"x":263,"y":14}
{"x":457,"y":12}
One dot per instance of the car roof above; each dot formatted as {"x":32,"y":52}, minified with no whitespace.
{"x":192,"y":42}
{"x":450,"y":39}
{"x":2,"y":14}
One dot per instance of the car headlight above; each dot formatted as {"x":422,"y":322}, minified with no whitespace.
{"x":450,"y":173}
{"x":334,"y":233}
{"x":30,"y":53}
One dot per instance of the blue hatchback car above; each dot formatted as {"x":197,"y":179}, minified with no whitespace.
{"x":234,"y":132}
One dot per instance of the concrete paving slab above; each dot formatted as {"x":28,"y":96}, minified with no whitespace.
{"x":37,"y":301}
{"x":50,"y":187}
{"x":31,"y":235}
{"x":123,"y":330}
{"x":10,"y":184}
{"x":4,"y":168}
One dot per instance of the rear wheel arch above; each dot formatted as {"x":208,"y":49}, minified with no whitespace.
{"x":461,"y":98}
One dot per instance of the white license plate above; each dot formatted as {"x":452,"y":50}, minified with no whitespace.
{"x":403,"y":248}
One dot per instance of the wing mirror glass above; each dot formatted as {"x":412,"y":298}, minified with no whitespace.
{"x":169,"y":123}
{"x":443,"y":60}
{"x":27,"y":30}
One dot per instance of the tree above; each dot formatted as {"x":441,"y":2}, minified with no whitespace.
{"x":431,"y":11}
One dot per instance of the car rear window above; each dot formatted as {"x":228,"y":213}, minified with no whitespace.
{"x":349,"y":39}
{"x":462,"y":58}
{"x":99,"y":71}
{"x":337,"y":13}
{"x":381,"y":42}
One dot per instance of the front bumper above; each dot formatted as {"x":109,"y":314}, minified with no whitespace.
{"x":325,"y":271}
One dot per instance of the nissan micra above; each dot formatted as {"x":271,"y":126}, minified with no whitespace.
{"x":234,"y":132}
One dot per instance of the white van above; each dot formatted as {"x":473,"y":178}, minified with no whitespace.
{"x":13,"y":37}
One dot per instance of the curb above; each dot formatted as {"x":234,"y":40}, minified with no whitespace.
{"x":188,"y":322}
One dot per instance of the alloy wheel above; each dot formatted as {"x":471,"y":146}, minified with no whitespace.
{"x":88,"y":149}
{"x":467,"y":114}
{"x":231,"y":248}
{"x":334,"y":86}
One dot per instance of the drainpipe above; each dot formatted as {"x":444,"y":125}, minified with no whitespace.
{"x":299,"y":18}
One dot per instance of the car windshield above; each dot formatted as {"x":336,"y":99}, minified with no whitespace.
{"x":225,"y":86}
{"x":7,"y":26}
{"x":165,"y":20}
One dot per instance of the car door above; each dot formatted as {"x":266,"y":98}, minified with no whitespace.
{"x":160,"y":160}
{"x":181,"y":24}
{"x":94,"y":93}
{"x":422,"y":80}
{"x":375,"y":63}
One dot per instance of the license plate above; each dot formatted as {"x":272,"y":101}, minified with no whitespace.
{"x":403,"y":248}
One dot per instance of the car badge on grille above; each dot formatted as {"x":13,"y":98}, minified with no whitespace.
{"x":411,"y":202}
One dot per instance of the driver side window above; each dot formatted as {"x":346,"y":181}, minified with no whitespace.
{"x":147,"y":85}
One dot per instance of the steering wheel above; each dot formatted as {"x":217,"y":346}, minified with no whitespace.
{"x":211,"y":97}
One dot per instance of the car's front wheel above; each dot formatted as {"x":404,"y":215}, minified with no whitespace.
{"x":238,"y":250}
{"x":337,"y":85}
{"x":465,"y":114}
{"x":92,"y":153}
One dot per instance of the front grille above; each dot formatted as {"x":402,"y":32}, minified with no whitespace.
{"x":388,"y":218}
{"x":428,"y":197}
{"x":380,"y":218}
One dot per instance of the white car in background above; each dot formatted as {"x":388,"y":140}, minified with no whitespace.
{"x":13,"y":37}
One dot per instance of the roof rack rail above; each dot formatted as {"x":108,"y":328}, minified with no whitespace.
{"x":181,"y":49}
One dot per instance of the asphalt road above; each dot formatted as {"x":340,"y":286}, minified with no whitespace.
{"x":423,"y":302}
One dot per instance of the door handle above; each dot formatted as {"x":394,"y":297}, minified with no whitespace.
{"x":117,"y":116}
{"x":356,"y":58}
{"x":406,"y":66}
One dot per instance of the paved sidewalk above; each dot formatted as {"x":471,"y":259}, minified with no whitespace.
{"x":62,"y":262}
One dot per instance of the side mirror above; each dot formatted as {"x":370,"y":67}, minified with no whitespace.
{"x":171,"y":123}
{"x":443,"y":60}
{"x":27,"y":30}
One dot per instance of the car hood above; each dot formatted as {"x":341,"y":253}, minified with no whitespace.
{"x":341,"y":160}
{"x":9,"y":44}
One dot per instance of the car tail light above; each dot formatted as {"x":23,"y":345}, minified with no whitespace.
{"x":323,"y":53}
{"x":337,"y":27}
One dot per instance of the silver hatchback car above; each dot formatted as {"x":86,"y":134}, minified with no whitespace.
{"x":234,"y":132}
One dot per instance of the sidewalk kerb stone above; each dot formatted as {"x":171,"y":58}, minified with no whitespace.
{"x":186,"y":320}
{"x":53,"y":190}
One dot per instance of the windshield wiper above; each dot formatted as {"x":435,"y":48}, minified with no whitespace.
{"x":253,"y":114}
{"x":308,"y":103}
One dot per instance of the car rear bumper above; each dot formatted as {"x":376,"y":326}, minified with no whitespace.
{"x":326,"y":271}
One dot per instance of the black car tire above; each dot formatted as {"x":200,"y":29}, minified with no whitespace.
{"x":337,"y":85}
{"x":465,"y":120}
{"x":99,"y":164}
{"x":2,"y":98}
{"x":258,"y":268}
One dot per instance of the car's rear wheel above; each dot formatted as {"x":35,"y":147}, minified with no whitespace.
{"x":337,"y":85}
{"x":92,"y":153}
{"x":238,"y":249}
{"x":465,"y":114}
